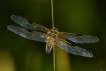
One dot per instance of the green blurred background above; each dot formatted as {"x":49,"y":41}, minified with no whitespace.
{"x":75,"y":16}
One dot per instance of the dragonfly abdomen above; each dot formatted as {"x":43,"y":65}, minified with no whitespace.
{"x":49,"y":44}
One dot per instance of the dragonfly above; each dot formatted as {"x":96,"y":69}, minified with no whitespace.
{"x":36,"y":32}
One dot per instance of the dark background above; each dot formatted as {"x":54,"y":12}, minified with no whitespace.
{"x":74,"y":16}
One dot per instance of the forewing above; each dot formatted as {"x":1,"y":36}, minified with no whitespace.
{"x":29,"y":34}
{"x":78,"y":38}
{"x":28,"y":24}
{"x":68,"y":47}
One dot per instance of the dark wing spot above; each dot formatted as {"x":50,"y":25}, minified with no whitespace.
{"x":29,"y":30}
{"x":72,"y":45}
{"x":30,"y":22}
{"x":78,"y":35}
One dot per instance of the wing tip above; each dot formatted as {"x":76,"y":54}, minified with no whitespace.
{"x":97,"y":39}
{"x":90,"y":55}
{"x":87,"y":54}
{"x":8,"y":27}
{"x":13,"y":16}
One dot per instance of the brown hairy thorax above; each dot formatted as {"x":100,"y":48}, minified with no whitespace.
{"x":53,"y":32}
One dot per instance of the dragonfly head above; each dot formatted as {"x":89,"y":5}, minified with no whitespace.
{"x":54,"y":30}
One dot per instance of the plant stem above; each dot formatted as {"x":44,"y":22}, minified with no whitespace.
{"x":52,"y":13}
{"x":53,"y":26}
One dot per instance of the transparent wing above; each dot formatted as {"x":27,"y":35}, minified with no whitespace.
{"x":29,"y":34}
{"x":28,"y":24}
{"x":68,"y":47}
{"x":78,"y":38}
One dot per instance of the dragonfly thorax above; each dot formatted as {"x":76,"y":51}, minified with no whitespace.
{"x":53,"y":32}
